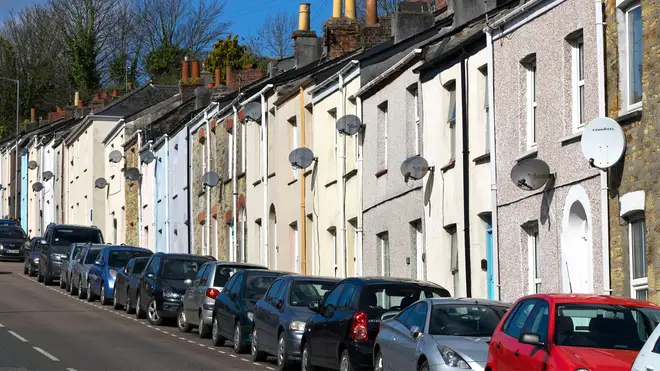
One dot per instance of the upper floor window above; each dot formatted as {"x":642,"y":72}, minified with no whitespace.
{"x":383,"y":117}
{"x":451,"y":119}
{"x":531,"y":103}
{"x":634,"y":56}
{"x":577,"y":56}
{"x":293,"y":139}
{"x":638,"y":268}
{"x":484,"y":74}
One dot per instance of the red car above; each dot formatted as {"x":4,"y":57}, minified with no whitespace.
{"x":571,"y":332}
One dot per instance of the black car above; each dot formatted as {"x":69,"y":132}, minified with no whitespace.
{"x":163,"y":283}
{"x":13,"y":243}
{"x":127,"y":282}
{"x":55,"y":245}
{"x":32,"y":253}
{"x":233,"y":311}
{"x":280,"y":316}
{"x":345,"y":324}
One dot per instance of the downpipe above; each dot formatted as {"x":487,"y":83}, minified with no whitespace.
{"x":465,"y":131}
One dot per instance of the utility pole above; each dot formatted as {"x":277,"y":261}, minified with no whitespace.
{"x":18,"y":89}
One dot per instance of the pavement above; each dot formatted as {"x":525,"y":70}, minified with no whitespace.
{"x":43,"y":328}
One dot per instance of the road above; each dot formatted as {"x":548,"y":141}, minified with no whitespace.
{"x":44,"y":328}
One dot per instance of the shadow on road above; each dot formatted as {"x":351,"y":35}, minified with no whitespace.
{"x":5,"y":273}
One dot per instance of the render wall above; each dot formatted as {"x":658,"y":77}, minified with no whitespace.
{"x":161,"y":198}
{"x":115,"y":191}
{"x":48,"y":198}
{"x":148,"y":197}
{"x":131,"y":190}
{"x":178,"y":200}
{"x":34,"y":211}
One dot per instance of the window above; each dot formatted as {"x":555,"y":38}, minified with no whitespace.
{"x":484,"y":73}
{"x":538,"y":321}
{"x":531,"y":103}
{"x":335,"y":256}
{"x":451,"y":119}
{"x":418,"y":235}
{"x":515,"y":326}
{"x":114,"y":230}
{"x":230,"y":154}
{"x":305,"y":292}
{"x":293,"y":244}
{"x":335,"y":157}
{"x":417,"y":316}
{"x":453,"y":245}
{"x":534,"y":256}
{"x":577,"y":51}
{"x":634,"y":56}
{"x":348,"y":297}
{"x":243,"y":135}
{"x":272,"y":292}
{"x":259,"y":242}
{"x":293,"y":140}
{"x":332,"y":300}
{"x":384,"y":244}
{"x":638,"y":266}
{"x":414,"y":103}
{"x":383,"y":117}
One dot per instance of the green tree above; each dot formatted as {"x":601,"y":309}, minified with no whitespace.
{"x":228,"y":52}
{"x":163,"y":64}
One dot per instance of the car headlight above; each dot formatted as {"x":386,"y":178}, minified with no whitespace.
{"x":171,"y":295}
{"x":36,"y":260}
{"x":55,"y":257}
{"x":113,"y":273}
{"x":1,"y":247}
{"x":297,"y":326}
{"x":452,"y":359}
{"x":250,"y":316}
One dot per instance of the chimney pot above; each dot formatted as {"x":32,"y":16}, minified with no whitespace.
{"x":58,"y":109}
{"x":336,"y":9}
{"x":115,"y":93}
{"x":185,"y":69}
{"x":372,"y":12}
{"x":218,"y":76}
{"x":32,"y":115}
{"x":130,"y":85}
{"x":195,"y":70}
{"x":76,"y":98}
{"x":303,"y":17}
{"x":349,"y":9}
{"x":209,"y":85}
{"x":80,"y":103}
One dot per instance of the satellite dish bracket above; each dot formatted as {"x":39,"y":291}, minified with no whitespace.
{"x":296,"y":167}
{"x":591,"y":164}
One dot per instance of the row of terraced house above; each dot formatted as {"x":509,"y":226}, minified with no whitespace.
{"x":469,"y":87}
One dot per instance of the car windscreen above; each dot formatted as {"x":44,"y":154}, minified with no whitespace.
{"x":67,"y":236}
{"x":378,"y":299}
{"x":604,"y":326}
{"x":256,"y":285}
{"x":464,"y":319}
{"x":92,"y":254}
{"x":11,"y":232}
{"x":181,"y":269}
{"x":305,"y":292}
{"x":224,"y":272}
{"x":119,"y":258}
{"x":139,"y":265}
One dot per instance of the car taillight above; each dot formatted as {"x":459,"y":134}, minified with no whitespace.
{"x":359,"y":327}
{"x":212,"y":293}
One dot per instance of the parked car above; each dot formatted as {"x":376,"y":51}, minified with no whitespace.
{"x":163,"y":283}
{"x":79,"y":277}
{"x":103,"y":273}
{"x":233,"y":311}
{"x":32,"y":253}
{"x":200,"y":297}
{"x":55,"y":244}
{"x":280,"y":317}
{"x":68,"y":263}
{"x":127,"y":282}
{"x":572,"y":332}
{"x":343,"y":329}
{"x":649,"y":356}
{"x":13,"y":243}
{"x":438,"y":334}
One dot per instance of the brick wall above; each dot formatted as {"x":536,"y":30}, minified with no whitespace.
{"x":131,"y":194}
{"x":640,"y":168}
{"x":244,"y":77}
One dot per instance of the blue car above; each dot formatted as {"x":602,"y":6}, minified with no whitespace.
{"x":103,"y":273}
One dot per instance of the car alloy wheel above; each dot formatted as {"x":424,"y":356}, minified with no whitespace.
{"x":90,"y":294}
{"x":216,"y":338}
{"x":139,"y":312}
{"x":103,"y":301}
{"x":425,"y":366}
{"x":306,"y":362}
{"x":152,"y":313}
{"x":237,"y":338}
{"x":345,"y":364}
{"x":203,"y":330}
{"x":378,"y":365}
{"x":282,"y":358}
{"x":181,"y":322}
{"x":128,"y":305}
{"x":62,"y":282}
{"x":257,"y":355}
{"x":115,"y":300}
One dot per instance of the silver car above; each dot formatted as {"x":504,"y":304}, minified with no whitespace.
{"x":438,"y":335}
{"x":199,"y":299}
{"x":79,"y":279}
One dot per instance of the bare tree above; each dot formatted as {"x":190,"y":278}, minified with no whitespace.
{"x":385,"y":7}
{"x":273,"y":39}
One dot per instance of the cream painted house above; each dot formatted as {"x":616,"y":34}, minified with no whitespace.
{"x":115,"y":223}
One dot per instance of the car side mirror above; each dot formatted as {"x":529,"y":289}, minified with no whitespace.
{"x":313,"y":306}
{"x":43,"y":242}
{"x":279,"y":304}
{"x":415,"y":331}
{"x":531,"y":339}
{"x":98,"y":262}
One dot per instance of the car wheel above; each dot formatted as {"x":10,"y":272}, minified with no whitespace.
{"x":152,"y":314}
{"x":48,"y":279}
{"x":239,"y":339}
{"x":115,"y":300}
{"x":62,"y":282}
{"x":73,"y":289}
{"x":32,"y":273}
{"x":378,"y":362}
{"x":68,"y":285}
{"x":139,"y":312}
{"x":345,"y":363}
{"x":182,"y":324}
{"x":257,"y":355}
{"x":40,"y":278}
{"x":90,"y":295}
{"x":217,"y":339}
{"x":306,"y":361}
{"x":26,"y":270}
{"x":104,"y":300}
{"x":128,"y":306}
{"x":82,"y":293}
{"x":203,"y":329}
{"x":424,"y":366}
{"x":282,"y":355}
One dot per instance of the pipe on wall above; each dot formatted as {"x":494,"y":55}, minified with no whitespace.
{"x":189,"y":191}
{"x":465,"y":131}
{"x":303,"y":189}
{"x":359,"y":230}
{"x":206,"y":166}
{"x":233,"y":254}
{"x":265,"y":222}
{"x":139,"y":145}
{"x":341,"y":182}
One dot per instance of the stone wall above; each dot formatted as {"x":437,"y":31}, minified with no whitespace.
{"x":131,"y":192}
{"x":640,"y":167}
{"x":198,"y":191}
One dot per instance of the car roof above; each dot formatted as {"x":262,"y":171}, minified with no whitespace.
{"x":592,"y":299}
{"x":234,"y":264}
{"x":124,"y":247}
{"x":268,"y":272}
{"x":183,"y":256}
{"x":473,"y":301}
{"x":391,"y":280}
{"x":64,"y":226}
{"x":315,"y":278}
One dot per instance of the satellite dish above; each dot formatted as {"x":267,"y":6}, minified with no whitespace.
{"x":301,"y":158}
{"x":47,"y":175}
{"x":37,"y":187}
{"x":32,"y":165}
{"x":414,"y":167}
{"x":531,"y":174}
{"x":147,"y":156}
{"x":115,"y":156}
{"x":100,"y":183}
{"x":132,"y":174}
{"x":286,"y":64}
{"x":603,"y":142}
{"x":349,"y":125}
{"x":211,"y":179}
{"x":252,"y":111}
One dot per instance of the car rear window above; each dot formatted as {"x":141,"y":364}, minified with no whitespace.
{"x":91,"y":256}
{"x":67,"y":236}
{"x":256,"y":285}
{"x":378,"y":299}
{"x":464,"y":319}
{"x":305,"y":292}
{"x":119,"y":258}
{"x":224,"y":272}
{"x":181,"y":269}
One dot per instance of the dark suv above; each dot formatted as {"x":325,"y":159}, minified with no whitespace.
{"x":13,"y":243}
{"x":55,"y":245}
{"x":344,"y":326}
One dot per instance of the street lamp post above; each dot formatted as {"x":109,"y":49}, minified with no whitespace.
{"x":18,"y":90}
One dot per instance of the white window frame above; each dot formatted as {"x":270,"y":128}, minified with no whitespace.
{"x":356,"y":140}
{"x":533,"y":254}
{"x":243,"y":149}
{"x":230,"y":153}
{"x":636,"y":284}
{"x":451,"y":96}
{"x":418,"y":133}
{"x":294,"y":228}
{"x":532,"y":135}
{"x":484,"y":72}
{"x":384,"y":110}
{"x":627,"y":55}
{"x":293,"y":125}
{"x":335,"y":134}
{"x":335,"y":249}
{"x":577,"y":56}
{"x":384,"y":245}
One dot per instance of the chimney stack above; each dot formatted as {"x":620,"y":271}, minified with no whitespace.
{"x":372,"y":12}
{"x":336,"y":8}
{"x":80,"y":103}
{"x":130,"y":85}
{"x":202,"y":97}
{"x":185,"y":69}
{"x":32,"y":115}
{"x":410,"y":19}
{"x":76,"y":98}
{"x":349,"y":9}
{"x":195,"y":70}
{"x":58,"y":109}
{"x":229,"y":78}
{"x":303,"y":17}
{"x":218,"y":76}
{"x":306,"y":46}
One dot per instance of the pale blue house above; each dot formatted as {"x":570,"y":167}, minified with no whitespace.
{"x":161,"y":185}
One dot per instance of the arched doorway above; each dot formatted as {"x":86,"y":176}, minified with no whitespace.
{"x":272,"y":238}
{"x":577,"y":254}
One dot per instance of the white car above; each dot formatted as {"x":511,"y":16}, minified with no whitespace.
{"x":648,"y":358}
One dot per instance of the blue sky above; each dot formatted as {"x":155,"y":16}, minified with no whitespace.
{"x":246,"y":16}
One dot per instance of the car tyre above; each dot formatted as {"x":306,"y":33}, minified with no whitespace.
{"x":82,"y":293}
{"x":40,"y":278}
{"x":115,"y":300}
{"x":90,"y":295}
{"x":68,"y":285}
{"x":345,"y":362}
{"x":203,"y":329}
{"x":257,"y":355}
{"x":181,"y":322}
{"x":26,"y":270}
{"x":74,"y":289}
{"x":129,"y":309}
{"x":424,"y":366}
{"x":306,"y":361}
{"x":239,"y":339}
{"x":217,"y":339}
{"x":283,"y":361}
{"x":378,"y":362}
{"x":103,"y":299}
{"x":62,"y":283}
{"x":153,"y":316}
{"x":139,"y":312}
{"x":48,"y":279}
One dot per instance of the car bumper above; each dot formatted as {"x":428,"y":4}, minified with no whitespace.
{"x":12,"y":256}
{"x":477,"y":366}
{"x":361,"y":354}
{"x":207,"y":314}
{"x":55,"y":269}
{"x":170,"y":308}
{"x":293,"y":340}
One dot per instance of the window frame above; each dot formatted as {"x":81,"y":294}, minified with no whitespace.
{"x":230,"y":154}
{"x":637,"y":284}
{"x":531,"y":107}
{"x":450,"y":88}
{"x":384,"y":248}
{"x":293,"y":128}
{"x":627,"y":55}
{"x":577,"y":77}
{"x":383,"y":114}
{"x":534,"y":259}
{"x":512,"y":317}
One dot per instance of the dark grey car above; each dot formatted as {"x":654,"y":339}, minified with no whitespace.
{"x":68,"y":263}
{"x":13,"y":243}
{"x":280,"y":316}
{"x":79,"y":278}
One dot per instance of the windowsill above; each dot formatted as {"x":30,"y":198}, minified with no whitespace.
{"x":292,"y":182}
{"x":201,"y":193}
{"x":350,"y":174}
{"x":532,"y":153}
{"x":332,"y":182}
{"x":571,"y":138}
{"x":227,"y":181}
{"x":271,"y":175}
{"x":241,"y":175}
{"x":380,"y":173}
{"x":256,"y":183}
{"x":629,"y":117}
{"x":307,"y":172}
{"x":483,"y":159}
{"x":448,"y":166}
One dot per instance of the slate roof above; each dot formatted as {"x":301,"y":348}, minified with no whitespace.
{"x":138,"y":99}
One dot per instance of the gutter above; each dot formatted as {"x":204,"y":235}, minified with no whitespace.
{"x":519,"y":11}
{"x":335,"y":76}
{"x":388,"y":72}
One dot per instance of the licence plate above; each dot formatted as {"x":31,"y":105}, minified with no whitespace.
{"x":12,"y":251}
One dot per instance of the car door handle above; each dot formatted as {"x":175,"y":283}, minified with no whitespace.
{"x":516,"y":353}
{"x":650,"y":367}
{"x":497,"y":345}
